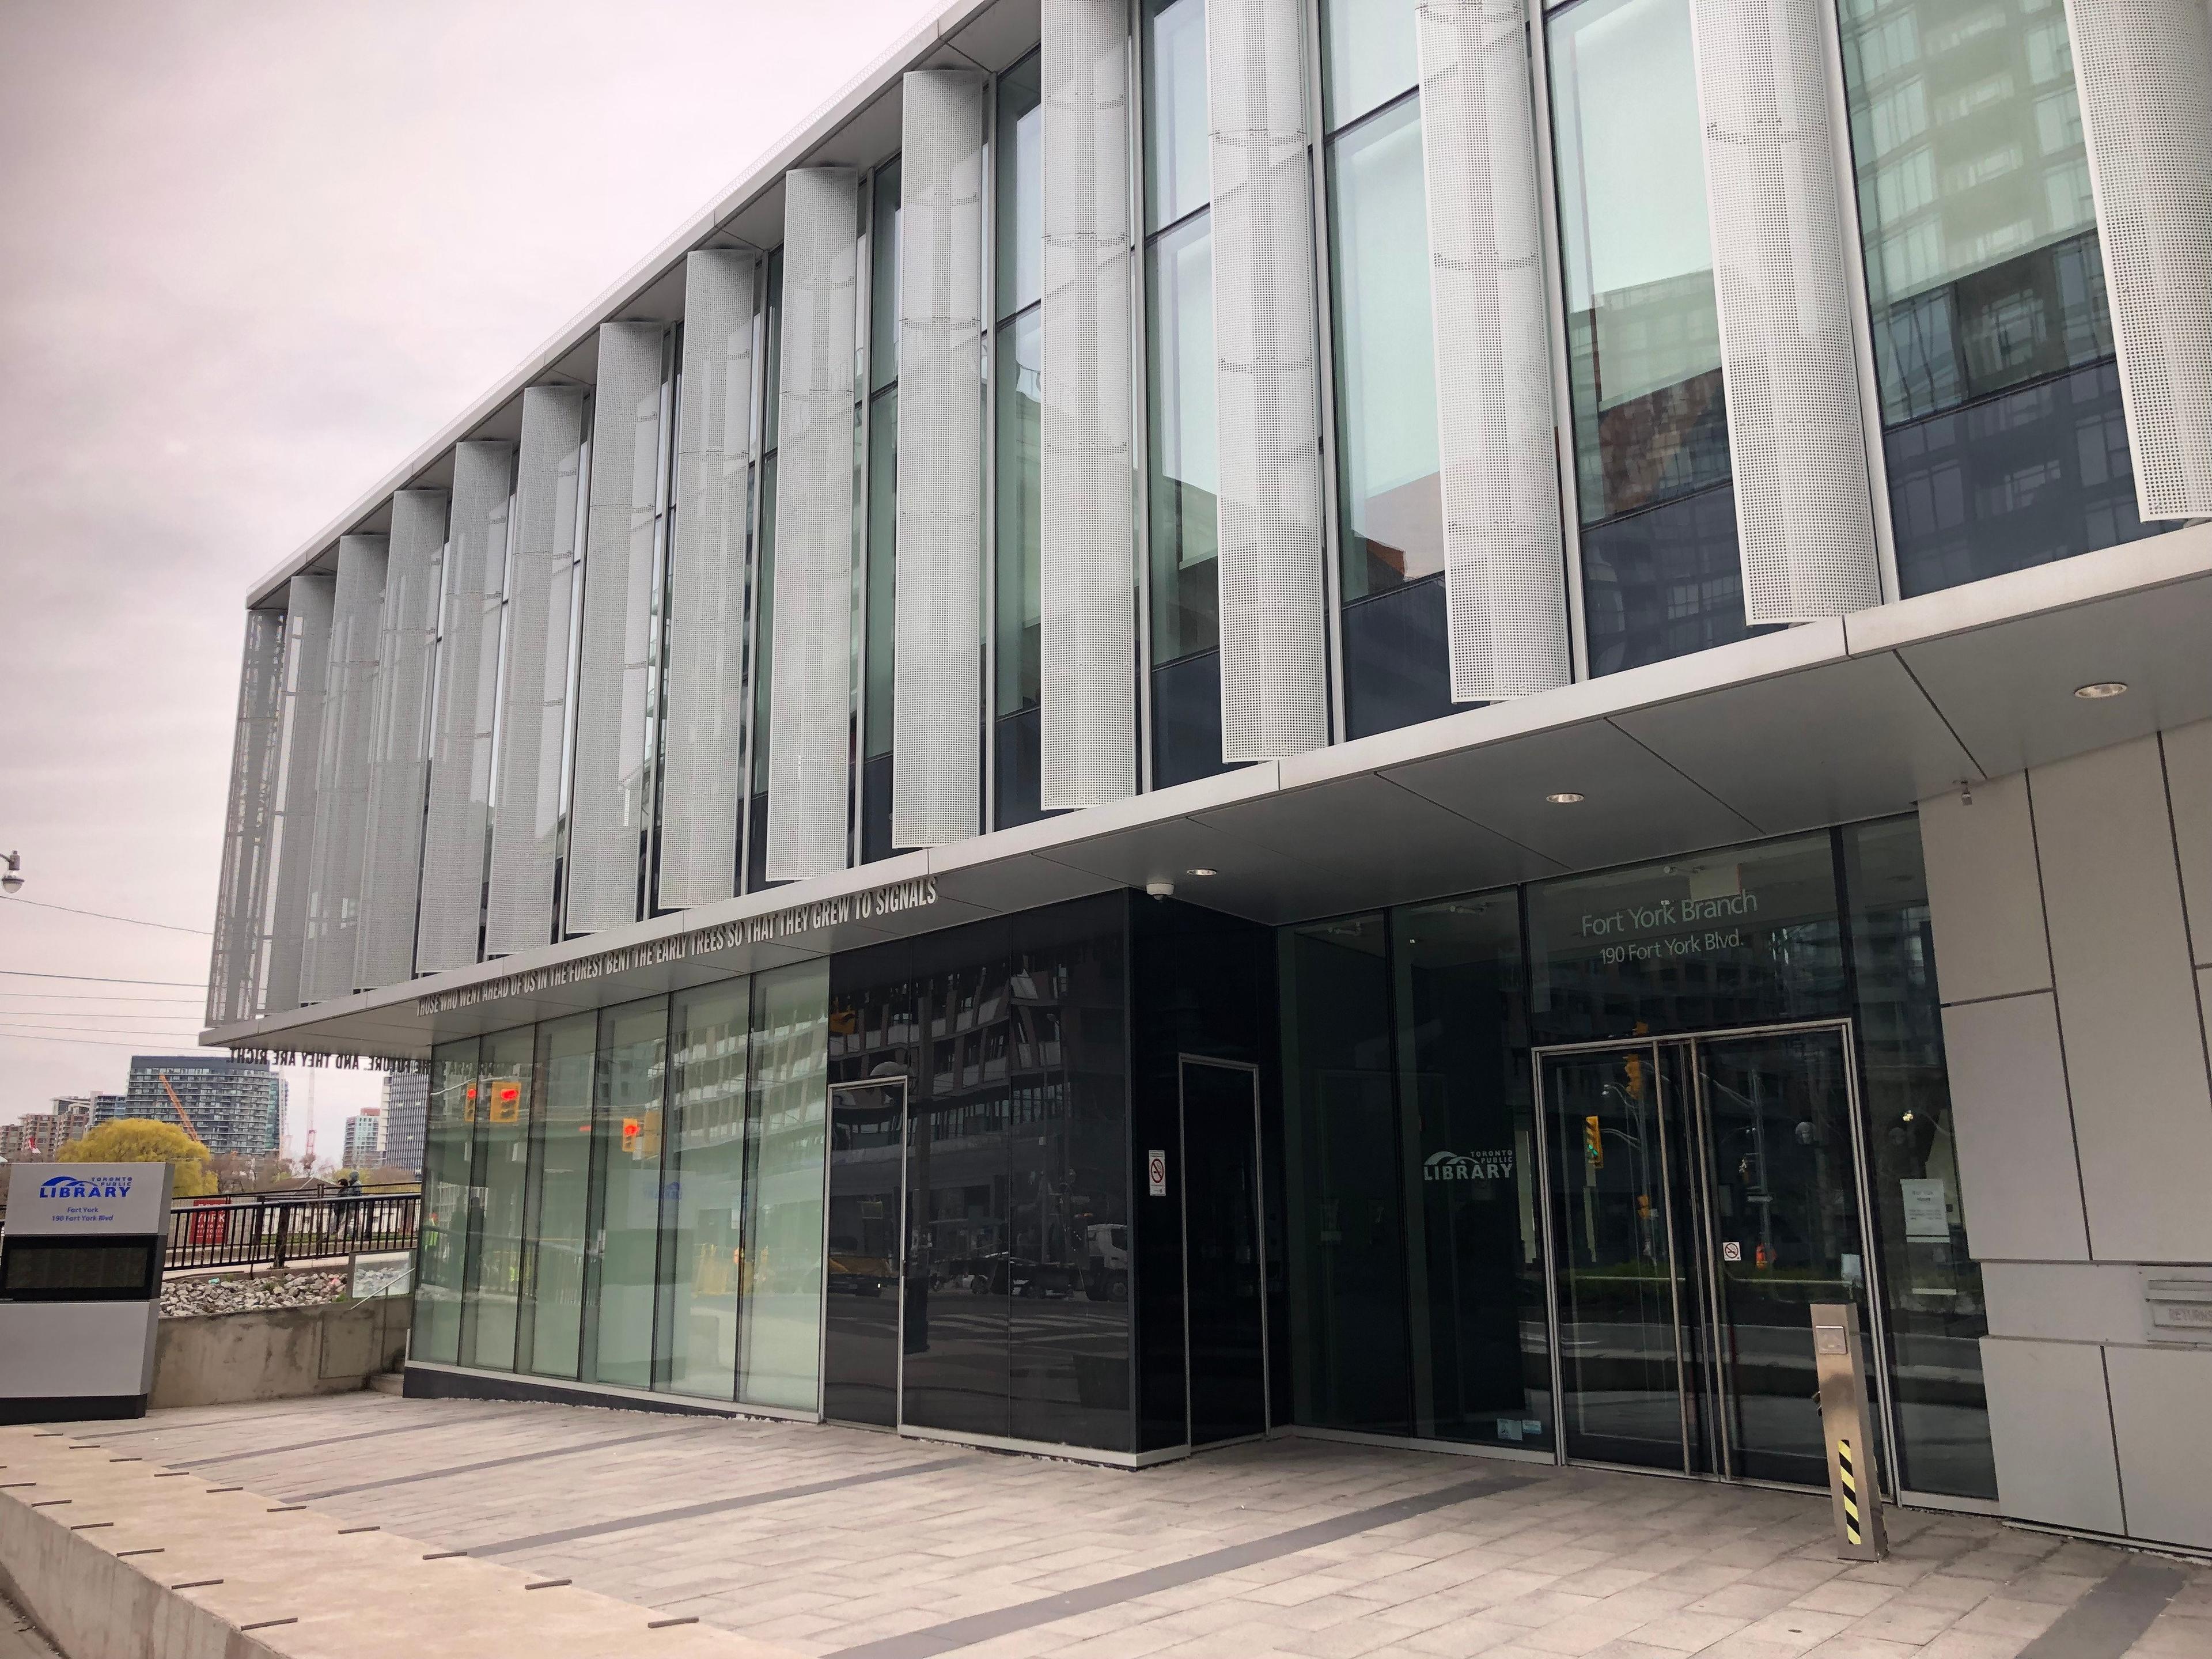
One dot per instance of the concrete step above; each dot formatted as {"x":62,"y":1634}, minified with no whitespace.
{"x":388,"y":1381}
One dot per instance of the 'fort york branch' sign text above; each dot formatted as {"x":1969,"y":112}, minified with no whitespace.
{"x":763,"y":929}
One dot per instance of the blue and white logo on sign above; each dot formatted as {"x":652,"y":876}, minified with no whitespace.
{"x":75,"y":1186}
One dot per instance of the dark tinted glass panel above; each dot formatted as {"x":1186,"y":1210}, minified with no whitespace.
{"x":1936,"y":1314}
{"x":1664,"y":583}
{"x":1187,"y":721}
{"x":1741,"y":936}
{"x":757,"y":862}
{"x":860,"y":1317}
{"x":1220,"y":1157}
{"x":1346,"y":1178}
{"x":1019,"y":438}
{"x":876,"y":810}
{"x":882,"y":557}
{"x":2020,"y":480}
{"x":1481,"y":1359}
{"x":764,"y":629}
{"x":883,"y":278}
{"x":1019,"y":768}
{"x":1185,"y":466}
{"x":773,"y":381}
{"x":1397,"y":659}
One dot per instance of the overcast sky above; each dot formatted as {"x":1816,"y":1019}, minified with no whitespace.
{"x":252,"y":254}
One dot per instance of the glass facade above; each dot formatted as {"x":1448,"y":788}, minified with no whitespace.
{"x":633,"y":1197}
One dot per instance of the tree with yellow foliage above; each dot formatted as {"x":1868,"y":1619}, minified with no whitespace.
{"x":145,"y":1140}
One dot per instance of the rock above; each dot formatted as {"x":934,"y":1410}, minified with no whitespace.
{"x":183,"y":1298}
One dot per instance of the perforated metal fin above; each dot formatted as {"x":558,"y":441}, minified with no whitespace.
{"x":2143,"y":68}
{"x":342,"y":772}
{"x":1274,"y":673}
{"x":937,"y":753}
{"x":237,"y":957}
{"x":307,"y":605}
{"x":1504,"y":569}
{"x":702,"y":737}
{"x":399,"y":740}
{"x":526,"y":835}
{"x":457,"y":824}
{"x":1788,"y":363}
{"x":610,"y":800}
{"x":810,"y":697}
{"x":1086,"y":571}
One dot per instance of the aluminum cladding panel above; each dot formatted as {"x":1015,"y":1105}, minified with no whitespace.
{"x":458,"y":821}
{"x":399,"y":741}
{"x":342,"y":772}
{"x":1788,"y":357}
{"x":937,"y":755}
{"x":525,"y":836}
{"x":702,"y":740}
{"x":1086,"y":578}
{"x":1504,"y":569}
{"x":308,"y":606}
{"x":611,"y":803}
{"x":811,"y":694}
{"x":237,"y":957}
{"x":1274,"y":672}
{"x":2144,"y":71}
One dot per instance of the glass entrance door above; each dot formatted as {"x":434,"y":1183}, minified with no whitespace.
{"x":1225,"y":1264}
{"x":1702,"y":1193}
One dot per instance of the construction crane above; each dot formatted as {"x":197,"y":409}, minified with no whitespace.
{"x":183,"y":1116}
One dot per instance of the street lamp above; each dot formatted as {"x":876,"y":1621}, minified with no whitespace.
{"x":11,"y":874}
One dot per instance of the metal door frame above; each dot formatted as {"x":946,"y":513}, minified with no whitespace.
{"x":901,"y":1082}
{"x":1259,"y":1243}
{"x":1698,"y":1120}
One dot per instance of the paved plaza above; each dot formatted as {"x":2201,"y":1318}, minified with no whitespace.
{"x":832,"y":1543}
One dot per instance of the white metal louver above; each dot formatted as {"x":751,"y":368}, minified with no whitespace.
{"x":457,"y":822}
{"x":2143,"y":68}
{"x":526,"y":832}
{"x":937,"y":767}
{"x":307,"y":605}
{"x":241,"y":906}
{"x":702,"y":739}
{"x":611,"y":802}
{"x":1504,"y":574}
{"x":342,"y":772}
{"x":810,"y":695}
{"x":1086,"y":579}
{"x":1789,"y":362}
{"x":1274,"y":670}
{"x":399,"y":740}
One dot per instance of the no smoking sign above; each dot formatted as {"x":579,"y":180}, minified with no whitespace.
{"x":1156,"y":1174}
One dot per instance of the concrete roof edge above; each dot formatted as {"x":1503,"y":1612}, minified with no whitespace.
{"x":869,"y":84}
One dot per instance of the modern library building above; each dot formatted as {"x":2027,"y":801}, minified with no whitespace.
{"x":1377,"y":719}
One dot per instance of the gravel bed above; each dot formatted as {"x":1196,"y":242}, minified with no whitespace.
{"x":185,"y":1297}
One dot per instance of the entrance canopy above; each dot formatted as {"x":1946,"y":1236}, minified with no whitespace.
{"x":1825,"y":723}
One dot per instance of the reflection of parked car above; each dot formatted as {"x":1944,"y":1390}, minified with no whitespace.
{"x":1106,"y":1274}
{"x":859,"y":1275}
{"x":1014,"y":1275}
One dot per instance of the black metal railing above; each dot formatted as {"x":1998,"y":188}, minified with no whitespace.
{"x":275,"y":1230}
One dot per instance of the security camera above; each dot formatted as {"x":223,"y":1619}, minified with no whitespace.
{"x":1159,"y":890}
{"x":11,"y":877}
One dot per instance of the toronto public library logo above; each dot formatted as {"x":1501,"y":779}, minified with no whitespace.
{"x":78,"y":1186}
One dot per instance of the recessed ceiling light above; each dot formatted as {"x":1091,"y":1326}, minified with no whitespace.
{"x":2098,"y":691}
{"x":1565,"y":798}
{"x":1201,"y":870}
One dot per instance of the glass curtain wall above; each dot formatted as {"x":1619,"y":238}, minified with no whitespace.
{"x":1417,"y":1278}
{"x":646,"y":1209}
{"x":763,"y":619}
{"x":1182,"y":466}
{"x":1389,"y":496}
{"x":1018,"y":437}
{"x":1993,"y":345}
{"x":1660,"y":571}
{"x":880,"y":517}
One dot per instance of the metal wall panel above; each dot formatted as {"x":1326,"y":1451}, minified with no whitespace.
{"x":1789,"y":362}
{"x":525,"y":833}
{"x":702,"y":739}
{"x":811,"y":694}
{"x":342,"y":772}
{"x":2144,"y":71}
{"x":936,"y":765}
{"x":1086,"y":574}
{"x":1274,"y":667}
{"x":307,"y":606}
{"x":611,"y":805}
{"x":457,"y":822}
{"x":241,"y":906}
{"x":1504,"y":567}
{"x":399,"y":741}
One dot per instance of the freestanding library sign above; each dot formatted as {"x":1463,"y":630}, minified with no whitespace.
{"x":80,"y":1289}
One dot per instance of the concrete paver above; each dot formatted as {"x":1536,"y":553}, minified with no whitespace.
{"x":821,"y":1542}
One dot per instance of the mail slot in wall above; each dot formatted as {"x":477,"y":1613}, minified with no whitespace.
{"x":2178,"y":1305}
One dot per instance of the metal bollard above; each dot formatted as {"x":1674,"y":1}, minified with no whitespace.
{"x":1854,"y":1480}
